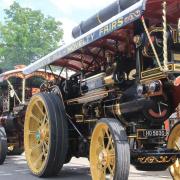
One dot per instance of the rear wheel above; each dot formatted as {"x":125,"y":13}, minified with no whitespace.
{"x":174,"y":143}
{"x":45,"y":134}
{"x":3,"y":145}
{"x":109,"y":151}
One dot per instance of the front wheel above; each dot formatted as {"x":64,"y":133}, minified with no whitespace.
{"x":45,"y":134}
{"x":109,"y":151}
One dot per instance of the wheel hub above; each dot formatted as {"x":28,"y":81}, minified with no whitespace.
{"x":103,"y":157}
{"x":38,"y":136}
{"x":41,"y":134}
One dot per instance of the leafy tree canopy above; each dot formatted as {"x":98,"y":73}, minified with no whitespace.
{"x":26,"y":35}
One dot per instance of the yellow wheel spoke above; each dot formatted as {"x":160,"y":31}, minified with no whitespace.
{"x":31,"y":132}
{"x":46,"y":146}
{"x":47,"y":133}
{"x":44,"y":121}
{"x":177,"y":145}
{"x":44,"y":150}
{"x":39,"y":109}
{"x":113,"y":167}
{"x":111,"y":152}
{"x":102,"y":173}
{"x":47,"y":139}
{"x":101,"y":142}
{"x":112,"y":159}
{"x":38,"y":146}
{"x":172,"y":169}
{"x":99,"y":150}
{"x":109,"y":143}
{"x":177,"y":163}
{"x":39,"y":159}
{"x":110,"y":170}
{"x":107,"y":133}
{"x":34,"y":117}
{"x":46,"y":127}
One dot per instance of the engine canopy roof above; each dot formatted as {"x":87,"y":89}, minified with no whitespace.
{"x":83,"y":52}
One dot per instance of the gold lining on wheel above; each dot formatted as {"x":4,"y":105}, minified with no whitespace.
{"x":102,"y":153}
{"x":36,"y":135}
{"x":174,"y":143}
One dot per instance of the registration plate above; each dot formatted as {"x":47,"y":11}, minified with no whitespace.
{"x":149,"y":133}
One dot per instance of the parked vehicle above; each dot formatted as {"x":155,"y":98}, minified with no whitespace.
{"x":112,"y":110}
{"x":15,"y":92}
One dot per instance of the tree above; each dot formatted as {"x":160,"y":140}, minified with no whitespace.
{"x":26,"y":35}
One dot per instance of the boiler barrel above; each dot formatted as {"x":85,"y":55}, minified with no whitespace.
{"x":102,"y":16}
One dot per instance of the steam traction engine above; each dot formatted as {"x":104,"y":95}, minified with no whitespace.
{"x":15,"y":92}
{"x":125,"y":84}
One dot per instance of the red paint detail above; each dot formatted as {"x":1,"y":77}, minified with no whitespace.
{"x":177,"y":81}
{"x":157,"y":115}
{"x":166,"y":124}
{"x":176,"y":96}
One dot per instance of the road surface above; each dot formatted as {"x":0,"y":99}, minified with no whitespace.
{"x":15,"y":168}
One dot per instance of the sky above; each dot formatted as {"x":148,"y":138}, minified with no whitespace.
{"x":69,"y":12}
